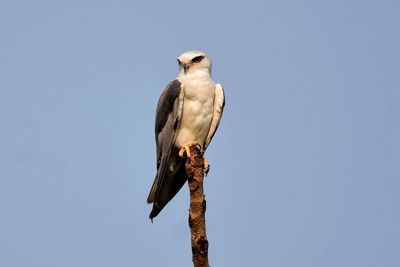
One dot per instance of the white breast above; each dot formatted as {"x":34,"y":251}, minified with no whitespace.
{"x":197,"y":114}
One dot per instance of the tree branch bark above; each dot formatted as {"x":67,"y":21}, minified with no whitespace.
{"x":197,"y":223}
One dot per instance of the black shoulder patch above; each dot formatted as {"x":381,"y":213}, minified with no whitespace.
{"x":166,"y":104}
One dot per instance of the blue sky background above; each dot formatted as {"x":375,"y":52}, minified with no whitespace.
{"x":305,"y":165}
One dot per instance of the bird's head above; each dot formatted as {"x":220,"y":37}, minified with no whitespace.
{"x":194,"y":60}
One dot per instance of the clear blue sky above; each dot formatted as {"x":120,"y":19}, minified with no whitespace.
{"x":305,"y":165}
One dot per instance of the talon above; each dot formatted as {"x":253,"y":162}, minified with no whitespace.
{"x":186,"y":149}
{"x":181,"y":153}
{"x":206,"y":166}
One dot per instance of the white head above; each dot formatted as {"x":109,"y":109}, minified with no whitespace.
{"x":194,"y":61}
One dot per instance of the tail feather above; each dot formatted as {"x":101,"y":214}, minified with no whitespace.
{"x":169,"y":188}
{"x":154,"y":212}
{"x":153,"y":191}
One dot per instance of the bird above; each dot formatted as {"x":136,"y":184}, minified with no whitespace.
{"x":189,"y":111}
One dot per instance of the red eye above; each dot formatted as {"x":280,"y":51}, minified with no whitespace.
{"x":197,"y":59}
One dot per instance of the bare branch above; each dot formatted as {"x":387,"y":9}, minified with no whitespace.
{"x":195,"y":171}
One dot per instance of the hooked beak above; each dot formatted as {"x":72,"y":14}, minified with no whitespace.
{"x":185,"y":67}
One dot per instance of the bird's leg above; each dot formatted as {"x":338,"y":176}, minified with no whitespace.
{"x":206,"y":166}
{"x":186,"y":149}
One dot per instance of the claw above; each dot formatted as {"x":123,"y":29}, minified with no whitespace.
{"x":184,"y":152}
{"x":206,"y":166}
{"x":186,"y":149}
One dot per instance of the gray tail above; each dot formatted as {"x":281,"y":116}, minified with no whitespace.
{"x":154,"y":212}
{"x":153,"y":191}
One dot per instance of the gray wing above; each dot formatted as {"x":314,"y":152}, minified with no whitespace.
{"x":169,"y":178}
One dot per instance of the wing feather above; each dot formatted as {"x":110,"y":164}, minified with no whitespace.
{"x":168,"y":115}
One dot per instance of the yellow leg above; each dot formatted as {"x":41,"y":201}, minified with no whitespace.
{"x":206,"y":166}
{"x":186,"y":149}
{"x":185,"y":152}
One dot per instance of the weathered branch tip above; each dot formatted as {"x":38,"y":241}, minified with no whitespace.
{"x":195,"y":169}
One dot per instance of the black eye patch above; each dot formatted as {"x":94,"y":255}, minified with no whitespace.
{"x":179,"y":62}
{"x":197,"y":59}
